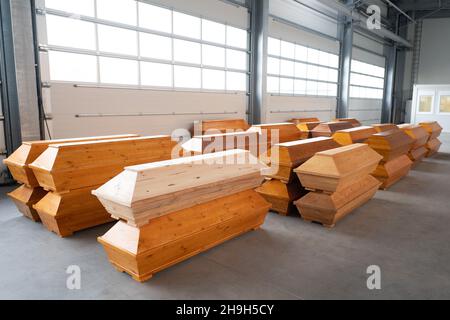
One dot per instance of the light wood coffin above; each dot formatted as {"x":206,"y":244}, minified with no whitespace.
{"x":270,"y":134}
{"x":222,"y":142}
{"x":70,"y":212}
{"x":25,"y":198}
{"x":420,"y":136}
{"x":285,"y":157}
{"x":337,"y":169}
{"x":354,"y":122}
{"x":306,"y":128}
{"x":327,"y":129}
{"x":219,"y":126}
{"x":304,"y":120}
{"x":282,"y":195}
{"x":170,"y":239}
{"x":145,"y":192}
{"x":383,"y":127}
{"x":328,"y":209}
{"x":433,"y":128}
{"x":18,"y":163}
{"x":66,"y":167}
{"x":391,"y":144}
{"x":354,"y":135}
{"x":433,"y":147}
{"x":388,"y":173}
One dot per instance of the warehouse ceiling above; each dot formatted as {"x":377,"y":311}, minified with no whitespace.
{"x":425,"y":9}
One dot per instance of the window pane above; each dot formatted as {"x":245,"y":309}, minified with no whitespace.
{"x":273,"y":66}
{"x":187,"y":51}
{"x":236,"y":60}
{"x":72,"y":67}
{"x":156,"y":74}
{"x":122,"y":11}
{"x":213,"y":79}
{"x":323,"y":74}
{"x":425,"y":103}
{"x":117,"y":40}
{"x":274,"y":47}
{"x":301,"y":70}
{"x":322,"y":88}
{"x":313,"y":72}
{"x":333,"y":75}
{"x":273,"y":85}
{"x":286,"y":86}
{"x":236,"y":37}
{"x":236,"y":81}
{"x":118,"y":71}
{"x":287,"y":68}
{"x":82,"y":7}
{"x":70,"y":32}
{"x":323,"y":58}
{"x":313,"y":56}
{"x":213,"y":31}
{"x":186,"y":25}
{"x":187,"y":77}
{"x":155,"y":18}
{"x":287,"y":50}
{"x":332,"y":89}
{"x":301,"y":53}
{"x":334,"y":61}
{"x":300,"y":87}
{"x":444,"y":105}
{"x":213,"y":56}
{"x":311,"y":88}
{"x":156,"y":47}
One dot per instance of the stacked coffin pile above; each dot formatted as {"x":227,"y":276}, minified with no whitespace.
{"x":306,"y":125}
{"x":226,"y":125}
{"x":283,"y":186}
{"x":274,"y":133}
{"x":383,"y":127}
{"x":353,"y":135}
{"x":71,"y":171}
{"x":420,"y":137}
{"x":30,"y":193}
{"x":393,"y":146}
{"x":327,"y":129}
{"x":340,"y":180}
{"x":222,"y":142}
{"x":175,"y":209}
{"x":434,"y":130}
{"x":354,"y":122}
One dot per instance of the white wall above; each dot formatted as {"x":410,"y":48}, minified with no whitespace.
{"x":436,"y":90}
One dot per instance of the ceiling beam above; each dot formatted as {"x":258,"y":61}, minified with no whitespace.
{"x":422,"y":5}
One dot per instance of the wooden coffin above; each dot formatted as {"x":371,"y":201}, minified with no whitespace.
{"x":145,"y":192}
{"x":389,"y":173}
{"x":304,"y":120}
{"x":170,"y":239}
{"x":270,"y":134}
{"x":327,"y":129}
{"x":285,"y":157}
{"x":354,"y":122}
{"x":417,"y":155}
{"x":354,"y":135}
{"x":419,"y":134}
{"x":433,"y":128}
{"x":25,"y":198}
{"x":72,"y":166}
{"x":70,"y":212}
{"x":282,"y":195}
{"x":433,"y":147}
{"x":391,"y":144}
{"x":306,"y":128}
{"x":219,"y":126}
{"x":18,"y":163}
{"x":222,"y":142}
{"x":328,"y":209}
{"x":385,"y":127}
{"x":334,"y":170}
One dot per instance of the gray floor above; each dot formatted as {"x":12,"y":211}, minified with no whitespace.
{"x":405,"y":231}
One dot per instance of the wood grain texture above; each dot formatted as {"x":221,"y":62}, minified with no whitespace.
{"x":433,"y":147}
{"x":203,"y":126}
{"x":354,"y":135}
{"x":18,"y":163}
{"x":354,"y":122}
{"x":327,"y":129}
{"x":65,"y":167}
{"x":284,"y":131}
{"x":389,"y":173}
{"x":304,"y":120}
{"x":285,"y":157}
{"x":383,"y":127}
{"x":391,"y":144}
{"x":306,"y":128}
{"x":25,"y":198}
{"x":142,"y":193}
{"x":433,"y":128}
{"x":337,"y":169}
{"x":281,"y":195}
{"x":170,"y":239}
{"x":418,"y":133}
{"x":67,"y":213}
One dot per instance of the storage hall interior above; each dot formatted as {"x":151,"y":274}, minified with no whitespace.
{"x":340,"y":109}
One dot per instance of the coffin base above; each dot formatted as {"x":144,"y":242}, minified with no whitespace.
{"x":282,"y":196}
{"x":433,"y":147}
{"x":25,"y":198}
{"x":391,"y":172}
{"x":417,"y":155}
{"x":170,"y":239}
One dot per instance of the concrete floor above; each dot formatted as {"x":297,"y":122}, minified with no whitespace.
{"x":405,"y":231}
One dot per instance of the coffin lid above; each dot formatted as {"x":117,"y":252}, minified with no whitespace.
{"x":230,"y":141}
{"x":332,"y":127}
{"x":431,"y":126}
{"x":390,"y":140}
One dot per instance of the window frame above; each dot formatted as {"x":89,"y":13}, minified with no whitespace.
{"x":367,"y":74}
